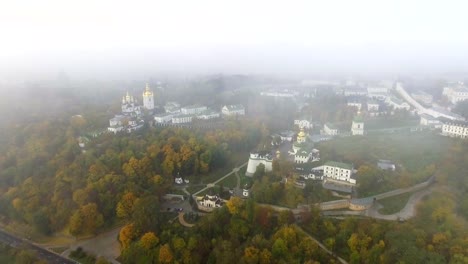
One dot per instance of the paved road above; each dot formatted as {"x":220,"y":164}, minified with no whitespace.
{"x":210,"y":185}
{"x":41,"y":253}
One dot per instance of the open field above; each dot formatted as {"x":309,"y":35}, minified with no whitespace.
{"x":394,"y":204}
{"x":229,"y":182}
{"x":412,"y":151}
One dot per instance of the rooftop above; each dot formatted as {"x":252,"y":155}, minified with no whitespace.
{"x":342,"y":165}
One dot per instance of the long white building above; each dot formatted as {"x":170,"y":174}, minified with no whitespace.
{"x":455,"y":129}
{"x":456,"y":92}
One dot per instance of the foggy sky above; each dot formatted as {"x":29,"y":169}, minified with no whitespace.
{"x":134,"y":39}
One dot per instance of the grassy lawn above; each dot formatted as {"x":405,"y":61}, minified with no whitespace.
{"x":245,"y":180}
{"x":191,"y":218}
{"x":177,"y":191}
{"x":414,"y":151}
{"x":317,"y":194}
{"x":230,"y":181}
{"x":394,"y":204}
{"x":213,"y":190}
{"x":6,"y":254}
{"x":195,"y":188}
{"x":389,"y":123}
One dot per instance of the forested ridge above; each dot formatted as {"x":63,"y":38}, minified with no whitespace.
{"x":49,"y":182}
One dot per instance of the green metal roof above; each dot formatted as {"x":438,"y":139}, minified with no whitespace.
{"x":342,"y":165}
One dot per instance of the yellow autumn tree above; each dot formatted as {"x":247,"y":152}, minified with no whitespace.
{"x":126,"y":235}
{"x":235,"y":205}
{"x":149,"y":241}
{"x":125,"y":206}
{"x":165,"y":254}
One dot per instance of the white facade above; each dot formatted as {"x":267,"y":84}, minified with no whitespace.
{"x":339,"y":171}
{"x":397,"y":104}
{"x":233,"y":110}
{"x":182,"y":119}
{"x":427,"y":120}
{"x":456,"y":93}
{"x":372,"y":106}
{"x":330,"y":130}
{"x":302,"y":156}
{"x":172,"y":107}
{"x":130,"y":105}
{"x":303,"y":123}
{"x":208,"y":114}
{"x":455,"y":129}
{"x":355,"y":104}
{"x":284,"y":93}
{"x":212,"y":201}
{"x":163,"y":118}
{"x":193,"y":109}
{"x":357,"y":128}
{"x":355,"y":91}
{"x":258,"y":158}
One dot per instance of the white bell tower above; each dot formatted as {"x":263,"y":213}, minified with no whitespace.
{"x":148,"y":98}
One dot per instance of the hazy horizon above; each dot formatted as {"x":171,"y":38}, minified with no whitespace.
{"x":129,"y":40}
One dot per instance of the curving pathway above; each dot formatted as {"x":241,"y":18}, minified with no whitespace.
{"x":210,"y":185}
{"x":407,"y":212}
{"x":183,"y":222}
{"x":322,"y":246}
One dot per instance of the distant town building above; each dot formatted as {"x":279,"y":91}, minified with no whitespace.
{"x":193,"y":109}
{"x":386,"y":165}
{"x":455,"y":129}
{"x":357,"y":127}
{"x":208,"y":114}
{"x":182,"y":119}
{"x":282,"y":93}
{"x":373,"y":105}
{"x":427,"y":120}
{"x":163,"y":118}
{"x":377,"y":92}
{"x":303,"y":123}
{"x":287,"y":135}
{"x":257,"y":158}
{"x":172,"y":108}
{"x":355,"y":103}
{"x":397,"y":104}
{"x":354,"y":91}
{"x":422,"y":97}
{"x":233,"y":110}
{"x":456,"y":92}
{"x":330,"y":129}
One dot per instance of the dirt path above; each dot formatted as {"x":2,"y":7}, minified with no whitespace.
{"x":183,"y":222}
{"x":105,"y":245}
{"x":322,"y":246}
{"x":210,"y":185}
